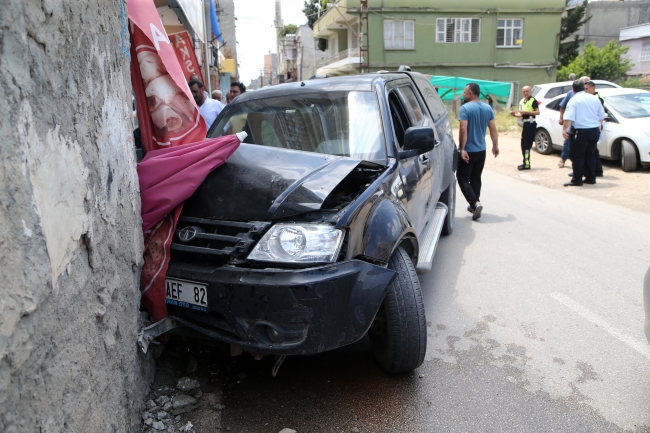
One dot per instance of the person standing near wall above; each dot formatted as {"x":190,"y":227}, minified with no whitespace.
{"x":208,"y":107}
{"x":475,"y":117}
{"x":528,"y":109}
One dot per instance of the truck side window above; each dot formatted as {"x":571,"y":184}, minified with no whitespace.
{"x":398,"y":115}
{"x":412,"y":106}
{"x":431,"y":98}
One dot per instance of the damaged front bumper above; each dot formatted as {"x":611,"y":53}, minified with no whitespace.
{"x":282,"y":311}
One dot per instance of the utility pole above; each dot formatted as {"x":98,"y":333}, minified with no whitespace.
{"x":364,"y":40}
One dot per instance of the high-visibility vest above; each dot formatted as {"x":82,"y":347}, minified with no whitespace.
{"x":527,"y":105}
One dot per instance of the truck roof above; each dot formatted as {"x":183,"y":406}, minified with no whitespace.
{"x":344,"y":83}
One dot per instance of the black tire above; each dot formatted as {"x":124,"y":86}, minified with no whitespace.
{"x":543,"y":142}
{"x":398,"y":335}
{"x":448,"y":197}
{"x":629,"y":157}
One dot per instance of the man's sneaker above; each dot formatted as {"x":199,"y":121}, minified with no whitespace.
{"x":523,"y":167}
{"x":477,"y":212}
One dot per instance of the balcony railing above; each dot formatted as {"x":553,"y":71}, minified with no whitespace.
{"x":352,"y":52}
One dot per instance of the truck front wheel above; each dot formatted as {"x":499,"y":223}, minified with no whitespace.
{"x":398,"y":335}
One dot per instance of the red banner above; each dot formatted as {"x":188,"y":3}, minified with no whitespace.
{"x":159,"y":83}
{"x":185,"y":54}
{"x":173,"y":119}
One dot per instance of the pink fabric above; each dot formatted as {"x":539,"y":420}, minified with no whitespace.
{"x":170,"y":176}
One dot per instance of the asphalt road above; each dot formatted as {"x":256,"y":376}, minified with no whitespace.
{"x":535,"y":322}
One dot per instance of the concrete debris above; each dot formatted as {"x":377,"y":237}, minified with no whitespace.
{"x":178,"y":418}
{"x":168,"y":406}
{"x":355,"y":430}
{"x":186,"y":384}
{"x":228,"y":428}
{"x":198,"y":394}
{"x":162,"y":415}
{"x":186,"y":428}
{"x":158,"y":425}
{"x":151,"y":404}
{"x":183,"y":404}
{"x":146,"y":415}
{"x":163,"y":390}
{"x":287,"y":430}
{"x":162,"y":400}
{"x":148,"y":422}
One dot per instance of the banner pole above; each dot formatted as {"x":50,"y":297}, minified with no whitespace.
{"x":207,"y":61}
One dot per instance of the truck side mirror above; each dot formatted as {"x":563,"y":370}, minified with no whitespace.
{"x":417,"y":140}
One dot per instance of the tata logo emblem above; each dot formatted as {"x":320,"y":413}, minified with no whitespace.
{"x":188,"y":233}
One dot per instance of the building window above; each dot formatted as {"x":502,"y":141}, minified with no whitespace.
{"x":645,"y":52}
{"x":510,"y":33}
{"x":466,"y":30}
{"x":399,"y":35}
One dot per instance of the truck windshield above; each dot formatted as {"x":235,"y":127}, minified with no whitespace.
{"x":334,"y":123}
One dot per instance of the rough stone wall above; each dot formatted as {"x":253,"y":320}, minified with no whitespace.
{"x":70,"y":237}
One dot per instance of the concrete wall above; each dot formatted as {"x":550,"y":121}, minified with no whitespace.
{"x":70,"y":236}
{"x":634,"y":53}
{"x":607,"y":19}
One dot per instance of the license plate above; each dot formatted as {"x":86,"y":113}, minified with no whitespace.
{"x":187,"y":294}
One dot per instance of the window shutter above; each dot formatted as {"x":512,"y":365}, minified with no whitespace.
{"x":409,"y":35}
{"x":398,"y":35}
{"x":388,"y":34}
{"x":440,"y":30}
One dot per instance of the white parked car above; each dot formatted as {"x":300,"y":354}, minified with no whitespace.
{"x":626,"y":130}
{"x":545,"y":92}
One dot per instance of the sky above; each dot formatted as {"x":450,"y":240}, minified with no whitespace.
{"x":255,"y":32}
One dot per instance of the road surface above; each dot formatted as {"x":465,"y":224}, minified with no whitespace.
{"x":535,"y":323}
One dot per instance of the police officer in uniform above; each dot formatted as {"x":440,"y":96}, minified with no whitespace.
{"x":590,"y":87}
{"x":528,"y":109}
{"x":582,"y":119}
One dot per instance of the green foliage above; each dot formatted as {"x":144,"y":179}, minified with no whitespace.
{"x":571,"y":23}
{"x":607,"y":63}
{"x":634,"y":82}
{"x":310,"y":9}
{"x":289,"y":29}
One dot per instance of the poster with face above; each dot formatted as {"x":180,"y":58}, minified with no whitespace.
{"x":173,"y":115}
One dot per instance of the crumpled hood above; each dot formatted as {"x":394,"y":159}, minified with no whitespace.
{"x":261,"y":183}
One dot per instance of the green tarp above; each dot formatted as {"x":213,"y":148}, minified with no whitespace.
{"x":446,"y":86}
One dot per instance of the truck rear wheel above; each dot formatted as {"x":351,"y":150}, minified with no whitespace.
{"x":398,"y":335}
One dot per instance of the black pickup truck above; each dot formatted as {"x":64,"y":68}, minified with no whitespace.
{"x":310,"y":235}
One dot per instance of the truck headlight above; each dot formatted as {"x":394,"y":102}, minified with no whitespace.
{"x":298,"y":243}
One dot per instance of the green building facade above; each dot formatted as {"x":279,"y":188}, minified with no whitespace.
{"x":501,"y":40}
